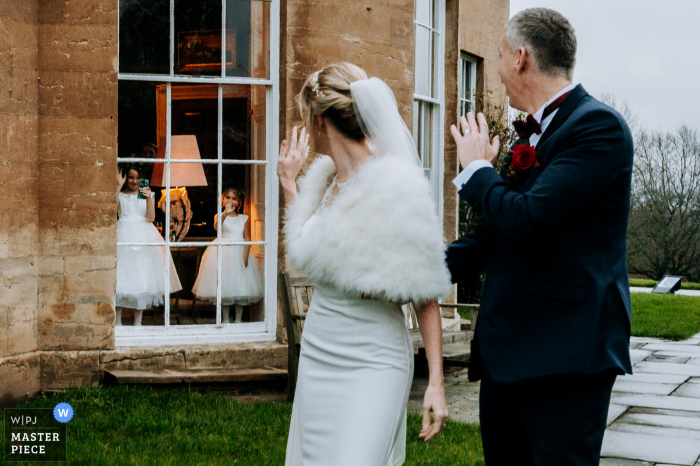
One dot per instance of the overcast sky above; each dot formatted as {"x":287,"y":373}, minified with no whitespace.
{"x":645,"y":51}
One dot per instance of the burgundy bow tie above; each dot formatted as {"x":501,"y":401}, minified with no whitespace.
{"x":527,"y":128}
{"x":530,"y":126}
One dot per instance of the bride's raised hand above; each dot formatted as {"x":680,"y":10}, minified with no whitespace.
{"x":291,"y":159}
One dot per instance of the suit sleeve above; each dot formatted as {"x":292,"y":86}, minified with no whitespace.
{"x":587,"y":165}
{"x":467,"y":256}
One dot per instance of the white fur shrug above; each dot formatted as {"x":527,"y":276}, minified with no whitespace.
{"x":381,"y":234}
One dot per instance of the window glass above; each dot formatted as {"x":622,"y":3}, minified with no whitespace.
{"x":424,"y":13}
{"x":198,"y":43}
{"x":424,"y":59}
{"x":248,"y":38}
{"x":144,"y":36}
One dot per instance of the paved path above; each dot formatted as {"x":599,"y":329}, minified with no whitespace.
{"x":654,"y":417}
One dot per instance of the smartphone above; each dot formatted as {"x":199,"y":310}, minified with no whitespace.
{"x":143,"y":184}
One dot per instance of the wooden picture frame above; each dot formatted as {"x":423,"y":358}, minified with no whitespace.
{"x":200,"y":51}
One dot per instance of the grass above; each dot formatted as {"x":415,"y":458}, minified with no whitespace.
{"x":140,"y":425}
{"x":665,"y":316}
{"x":643,"y":282}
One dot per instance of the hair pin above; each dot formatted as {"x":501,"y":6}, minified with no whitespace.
{"x":314,"y":81}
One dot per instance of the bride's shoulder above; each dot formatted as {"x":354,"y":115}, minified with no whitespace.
{"x":394,"y":173}
{"x":318,"y":173}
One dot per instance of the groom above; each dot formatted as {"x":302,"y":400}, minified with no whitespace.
{"x":554,"y":324}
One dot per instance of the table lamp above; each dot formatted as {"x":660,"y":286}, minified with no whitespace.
{"x":181,"y":175}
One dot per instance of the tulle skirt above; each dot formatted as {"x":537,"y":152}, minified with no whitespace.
{"x":239,"y":284}
{"x":141,"y":269}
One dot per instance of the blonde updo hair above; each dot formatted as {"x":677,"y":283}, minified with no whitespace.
{"x":332,"y":99}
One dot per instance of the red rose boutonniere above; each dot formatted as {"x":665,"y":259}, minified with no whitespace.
{"x":520,"y":159}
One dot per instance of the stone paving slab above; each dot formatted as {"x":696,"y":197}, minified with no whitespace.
{"x":676,"y":353}
{"x":689,"y":390}
{"x":614,"y":412}
{"x":630,"y":386}
{"x":623,"y":462}
{"x":674,"y":432}
{"x":630,"y":445}
{"x":670,"y":346}
{"x":678,"y":422}
{"x":656,"y":401}
{"x":678,"y":358}
{"x":662,"y":412}
{"x":668,"y":368}
{"x":654,"y":378}
{"x":638,"y":355}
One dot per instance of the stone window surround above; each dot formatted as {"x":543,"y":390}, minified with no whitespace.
{"x":429,"y":108}
{"x":221,"y":334}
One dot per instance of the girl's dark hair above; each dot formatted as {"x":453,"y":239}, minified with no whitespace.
{"x":126,"y":167}
{"x":240,"y":193}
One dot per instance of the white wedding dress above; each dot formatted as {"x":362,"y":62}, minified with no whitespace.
{"x":355,"y":373}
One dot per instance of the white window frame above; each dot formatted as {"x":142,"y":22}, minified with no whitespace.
{"x":435,"y":103}
{"x":172,"y":335}
{"x":467,"y":102}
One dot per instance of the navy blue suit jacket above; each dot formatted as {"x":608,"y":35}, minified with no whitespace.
{"x":556,"y":297}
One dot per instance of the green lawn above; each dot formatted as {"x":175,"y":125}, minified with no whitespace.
{"x":643,"y":282}
{"x":665,"y":316}
{"x":141,"y":426}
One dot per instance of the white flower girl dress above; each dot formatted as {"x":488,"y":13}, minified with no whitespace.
{"x":239,"y":284}
{"x":140,"y":269}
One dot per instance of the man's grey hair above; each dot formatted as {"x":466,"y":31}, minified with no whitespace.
{"x":548,"y":37}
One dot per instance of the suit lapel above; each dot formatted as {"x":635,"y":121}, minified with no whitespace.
{"x":563,"y":113}
{"x":561,"y":116}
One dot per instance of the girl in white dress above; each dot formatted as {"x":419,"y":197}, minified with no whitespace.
{"x":140,"y":269}
{"x":363,"y":227}
{"x":241,"y":281}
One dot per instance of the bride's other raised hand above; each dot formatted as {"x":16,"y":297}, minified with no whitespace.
{"x":291,"y":159}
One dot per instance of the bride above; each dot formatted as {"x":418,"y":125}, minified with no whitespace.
{"x":364,"y":229}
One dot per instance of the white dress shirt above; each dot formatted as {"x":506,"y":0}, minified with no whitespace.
{"x":467,"y":173}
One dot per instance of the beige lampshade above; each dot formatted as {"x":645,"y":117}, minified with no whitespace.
{"x":181,"y":174}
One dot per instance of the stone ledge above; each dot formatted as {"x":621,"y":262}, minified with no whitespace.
{"x":117,"y":377}
{"x":24,"y":376}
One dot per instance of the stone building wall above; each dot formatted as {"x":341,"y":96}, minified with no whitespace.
{"x":58,"y":134}
{"x":376,"y":35}
{"x":474,"y":27}
{"x":19,"y":211}
{"x":77,"y":166}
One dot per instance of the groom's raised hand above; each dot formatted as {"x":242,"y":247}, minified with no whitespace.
{"x":475,"y":144}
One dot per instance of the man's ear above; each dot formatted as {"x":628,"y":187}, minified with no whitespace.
{"x":523,"y":60}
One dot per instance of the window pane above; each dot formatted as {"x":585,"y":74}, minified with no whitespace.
{"x":198,"y":37}
{"x":424,"y":12}
{"x":423,"y":60}
{"x":467,"y":80}
{"x":426,"y":134}
{"x":242,"y":284}
{"x":244,"y":122}
{"x":141,"y":127}
{"x":195,"y":114}
{"x":144,"y":36}
{"x":196,"y":270}
{"x":248,"y":38}
{"x":141,"y":291}
{"x":248,"y":184}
